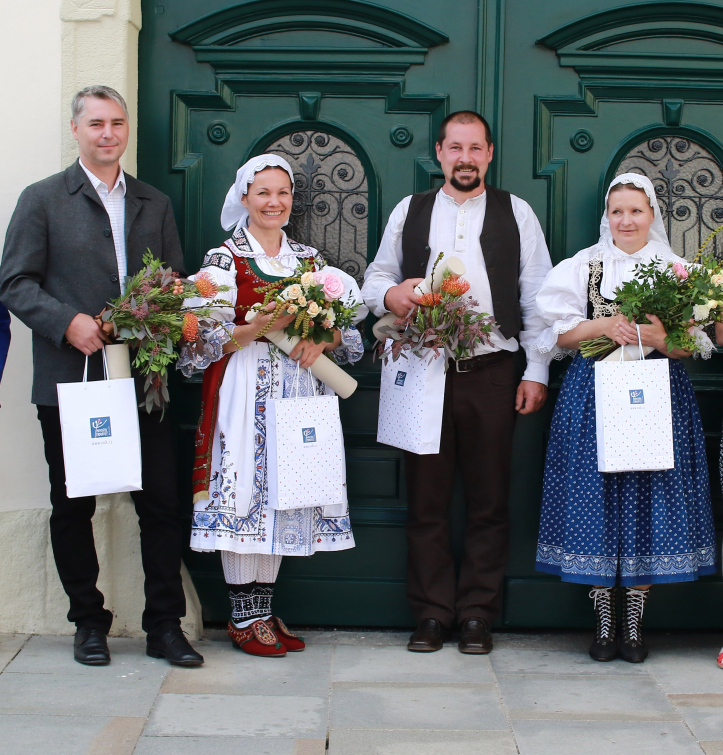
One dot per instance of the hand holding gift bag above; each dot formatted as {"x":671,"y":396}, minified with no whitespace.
{"x":411,"y":399}
{"x":633,"y":414}
{"x":305,"y":452}
{"x":101,"y":439}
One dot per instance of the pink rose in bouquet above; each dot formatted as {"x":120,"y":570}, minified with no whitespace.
{"x":333,"y":286}
{"x":680,"y":270}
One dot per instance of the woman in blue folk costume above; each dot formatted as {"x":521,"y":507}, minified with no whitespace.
{"x":626,"y":529}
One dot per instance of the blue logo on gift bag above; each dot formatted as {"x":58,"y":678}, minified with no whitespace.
{"x":100,"y":427}
{"x":637,"y":397}
{"x":401,"y":376}
{"x":309,"y":434}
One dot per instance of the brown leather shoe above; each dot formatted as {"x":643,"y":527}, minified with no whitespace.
{"x":427,"y":637}
{"x":475,"y":637}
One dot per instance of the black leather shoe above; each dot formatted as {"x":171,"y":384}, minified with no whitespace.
{"x":427,"y":637}
{"x":475,"y":637}
{"x":91,"y":647}
{"x":174,"y":647}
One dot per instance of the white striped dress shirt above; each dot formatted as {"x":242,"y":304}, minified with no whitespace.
{"x":114,"y":202}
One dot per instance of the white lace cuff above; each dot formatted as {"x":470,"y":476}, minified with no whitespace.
{"x":351,"y":348}
{"x":705,"y":345}
{"x":196,"y":357}
{"x":546,"y":344}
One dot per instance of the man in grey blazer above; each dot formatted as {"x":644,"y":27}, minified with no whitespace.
{"x":71,"y":241}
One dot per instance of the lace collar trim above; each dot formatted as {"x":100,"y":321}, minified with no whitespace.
{"x":243,"y":244}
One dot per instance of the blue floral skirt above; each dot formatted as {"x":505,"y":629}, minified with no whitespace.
{"x":626,"y":528}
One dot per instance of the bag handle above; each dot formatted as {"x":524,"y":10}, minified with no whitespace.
{"x":295,"y":386}
{"x":105,"y":367}
{"x":640,"y":346}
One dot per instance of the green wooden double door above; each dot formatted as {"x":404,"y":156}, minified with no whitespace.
{"x":352,"y":94}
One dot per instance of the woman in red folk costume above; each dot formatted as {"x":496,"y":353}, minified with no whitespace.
{"x":242,"y":371}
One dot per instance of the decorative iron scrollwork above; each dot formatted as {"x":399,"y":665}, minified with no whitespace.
{"x":331,"y":198}
{"x":218,"y":132}
{"x":688,"y":183}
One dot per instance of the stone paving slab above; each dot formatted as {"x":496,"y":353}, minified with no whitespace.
{"x":354,"y":663}
{"x":33,"y":734}
{"x":77,"y":695}
{"x":604,"y":738}
{"x":228,"y":671}
{"x":416,"y":706}
{"x":10,"y":646}
{"x":684,"y":669}
{"x":54,"y":655}
{"x":576,"y":697}
{"x":238,"y":716}
{"x":507,"y":661}
{"x":229,"y":746}
{"x":420,"y":742}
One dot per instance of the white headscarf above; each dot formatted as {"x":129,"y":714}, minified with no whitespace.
{"x":234,"y":214}
{"x":657,"y":231}
{"x":618,"y":263}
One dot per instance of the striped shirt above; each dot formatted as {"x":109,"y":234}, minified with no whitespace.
{"x":114,"y":202}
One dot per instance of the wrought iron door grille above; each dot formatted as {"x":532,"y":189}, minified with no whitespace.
{"x":331,"y":198}
{"x":688,"y":182}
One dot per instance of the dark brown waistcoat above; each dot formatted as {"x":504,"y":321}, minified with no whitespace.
{"x":500,"y":242}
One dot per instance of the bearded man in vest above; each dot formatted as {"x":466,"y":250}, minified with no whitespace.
{"x":500,"y":241}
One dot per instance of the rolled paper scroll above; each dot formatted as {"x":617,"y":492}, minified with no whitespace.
{"x":323,"y":368}
{"x":453,"y":265}
{"x":118,"y":361}
{"x":631,"y":354}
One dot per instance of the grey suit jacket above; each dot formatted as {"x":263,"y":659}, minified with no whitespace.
{"x":59,"y":260}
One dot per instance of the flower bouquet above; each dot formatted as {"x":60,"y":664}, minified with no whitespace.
{"x":150,"y":317}
{"x":314,"y":297}
{"x":445,"y":323}
{"x":686,"y":299}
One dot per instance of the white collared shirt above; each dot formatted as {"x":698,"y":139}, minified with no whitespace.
{"x":114,"y":202}
{"x":455,"y":230}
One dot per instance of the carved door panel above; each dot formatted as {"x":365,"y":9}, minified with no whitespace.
{"x":606,"y":89}
{"x":353,"y":92}
{"x":351,"y":95}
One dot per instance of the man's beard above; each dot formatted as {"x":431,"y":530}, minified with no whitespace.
{"x":465,"y":187}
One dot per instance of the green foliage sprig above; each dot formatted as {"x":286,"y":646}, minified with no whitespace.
{"x":681,"y":296}
{"x":150,"y":316}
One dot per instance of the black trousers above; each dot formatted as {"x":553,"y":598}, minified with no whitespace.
{"x":157,"y":506}
{"x":477,"y":427}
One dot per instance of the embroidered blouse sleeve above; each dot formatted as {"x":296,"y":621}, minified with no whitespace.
{"x":562,"y":304}
{"x":218,"y":269}
{"x":351,"y":348}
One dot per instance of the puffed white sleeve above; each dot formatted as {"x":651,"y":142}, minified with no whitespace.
{"x":562,"y":305}
{"x":218,"y":268}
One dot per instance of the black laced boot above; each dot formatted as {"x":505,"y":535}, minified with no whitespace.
{"x":632,"y":647}
{"x":604,"y":647}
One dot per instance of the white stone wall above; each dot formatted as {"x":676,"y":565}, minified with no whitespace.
{"x":51,"y":49}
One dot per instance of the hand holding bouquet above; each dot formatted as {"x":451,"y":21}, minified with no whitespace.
{"x":150,"y":317}
{"x":445,"y":323}
{"x":314,"y":298}
{"x":685,"y":299}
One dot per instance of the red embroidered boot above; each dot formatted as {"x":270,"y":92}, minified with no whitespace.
{"x":257,"y":639}
{"x":292,"y":642}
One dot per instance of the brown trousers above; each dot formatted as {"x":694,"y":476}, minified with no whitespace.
{"x":477,"y":426}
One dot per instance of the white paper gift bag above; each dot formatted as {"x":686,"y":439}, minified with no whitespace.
{"x":101,"y":439}
{"x":411,"y":399}
{"x":305,"y":463}
{"x":633,"y":415}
